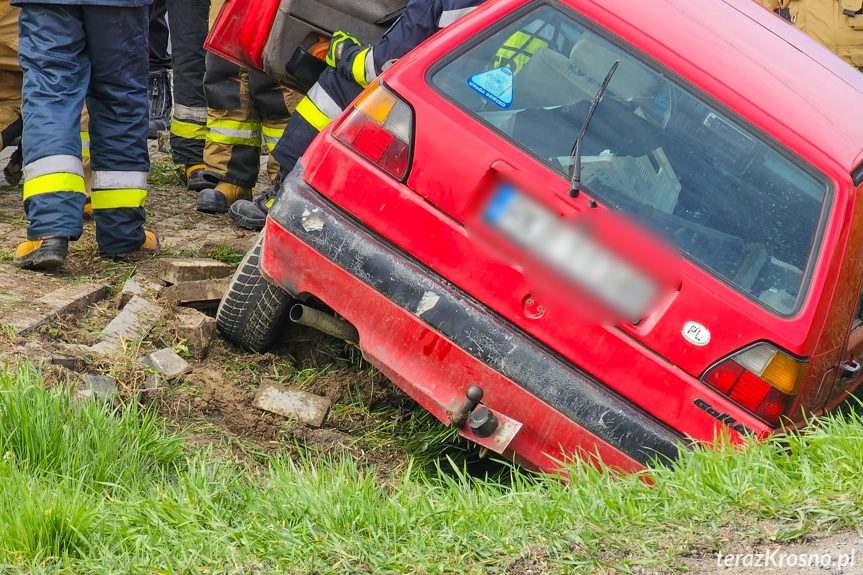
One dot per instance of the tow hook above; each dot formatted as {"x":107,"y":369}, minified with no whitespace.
{"x":492,"y":431}
{"x":482,"y":422}
{"x":472,"y":397}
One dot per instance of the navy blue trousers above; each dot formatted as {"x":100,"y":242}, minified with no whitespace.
{"x":70,"y":54}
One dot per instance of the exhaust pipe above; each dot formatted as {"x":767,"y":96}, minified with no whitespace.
{"x":324,"y":322}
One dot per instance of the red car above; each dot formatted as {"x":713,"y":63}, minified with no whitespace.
{"x":633,"y":226}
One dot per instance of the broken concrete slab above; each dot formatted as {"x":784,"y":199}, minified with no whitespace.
{"x":64,"y":361}
{"x":198,"y":330}
{"x":139,"y":285}
{"x":73,"y":298}
{"x":204,"y":294}
{"x":135,"y":321}
{"x":24,"y":321}
{"x":166,"y":362}
{"x":292,"y":402}
{"x":174,"y":271}
{"x":97,"y":387}
{"x":67,"y":299}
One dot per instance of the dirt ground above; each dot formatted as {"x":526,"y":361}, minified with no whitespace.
{"x":213,"y":403}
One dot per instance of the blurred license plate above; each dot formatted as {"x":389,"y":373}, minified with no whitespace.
{"x":572,"y":250}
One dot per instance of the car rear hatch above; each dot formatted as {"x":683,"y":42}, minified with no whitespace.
{"x":748,"y":216}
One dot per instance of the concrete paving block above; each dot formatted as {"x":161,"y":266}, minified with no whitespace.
{"x":166,"y":362}
{"x":24,"y":321}
{"x":135,"y":321}
{"x":139,"y":285}
{"x":64,"y":361}
{"x":106,"y":347}
{"x":204,"y":294}
{"x":292,"y":402}
{"x":73,"y":298}
{"x":191,"y":270}
{"x":97,"y":387}
{"x":198,"y":330}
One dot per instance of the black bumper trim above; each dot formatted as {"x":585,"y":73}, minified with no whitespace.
{"x":462,"y":320}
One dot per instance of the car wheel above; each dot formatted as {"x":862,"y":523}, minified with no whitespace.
{"x":252,"y":311}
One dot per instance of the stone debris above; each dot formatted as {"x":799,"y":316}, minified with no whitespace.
{"x":198,"y":330}
{"x":191,"y":270}
{"x":205,"y":294}
{"x":67,"y":299}
{"x":141,"y":286}
{"x":132,"y":324}
{"x":166,"y":362}
{"x":97,"y":387}
{"x":73,"y":298}
{"x":292,"y":402}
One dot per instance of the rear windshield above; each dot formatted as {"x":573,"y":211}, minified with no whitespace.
{"x":722,"y":192}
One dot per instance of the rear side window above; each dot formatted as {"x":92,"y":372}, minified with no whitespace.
{"x":655,"y":149}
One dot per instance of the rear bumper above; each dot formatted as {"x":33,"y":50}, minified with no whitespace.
{"x":433,"y":340}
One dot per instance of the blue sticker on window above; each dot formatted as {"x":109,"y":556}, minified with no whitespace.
{"x":495,"y":85}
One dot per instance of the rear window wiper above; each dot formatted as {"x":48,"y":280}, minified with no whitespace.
{"x":575,"y":183}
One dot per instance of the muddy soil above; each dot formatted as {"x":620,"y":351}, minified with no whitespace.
{"x":213,"y":402}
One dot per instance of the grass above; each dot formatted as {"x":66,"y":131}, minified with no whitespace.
{"x":87,"y":490}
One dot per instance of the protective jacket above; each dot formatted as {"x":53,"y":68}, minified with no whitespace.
{"x":93,"y":50}
{"x":835,"y":24}
{"x":358,"y":66}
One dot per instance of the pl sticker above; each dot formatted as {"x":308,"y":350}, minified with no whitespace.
{"x":495,"y":85}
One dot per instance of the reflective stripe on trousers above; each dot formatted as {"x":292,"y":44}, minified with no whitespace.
{"x":318,"y":108}
{"x":231,"y":132}
{"x":118,"y":189}
{"x":271,"y":136}
{"x":60,"y":173}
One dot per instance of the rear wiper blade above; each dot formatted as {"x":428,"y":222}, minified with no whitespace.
{"x":575,"y":183}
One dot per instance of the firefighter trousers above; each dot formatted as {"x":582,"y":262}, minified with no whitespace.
{"x":10,"y":75}
{"x":243,"y":111}
{"x":188,"y":23}
{"x":69,"y":54}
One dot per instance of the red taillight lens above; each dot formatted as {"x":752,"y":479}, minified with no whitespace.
{"x":380,"y":128}
{"x":761,"y":379}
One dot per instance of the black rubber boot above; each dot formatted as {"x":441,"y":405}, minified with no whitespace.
{"x":14,"y":170}
{"x":218,"y":200}
{"x":161,"y":102}
{"x":252,"y":215}
{"x":195,"y":179}
{"x":44,"y":254}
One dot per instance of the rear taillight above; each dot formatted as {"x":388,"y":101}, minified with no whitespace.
{"x":380,"y":128}
{"x":761,"y":379}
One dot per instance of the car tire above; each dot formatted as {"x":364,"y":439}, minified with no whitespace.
{"x":252,"y":311}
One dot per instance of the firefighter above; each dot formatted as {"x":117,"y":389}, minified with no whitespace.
{"x":70,"y":52}
{"x":244,"y":111}
{"x":188,"y":25}
{"x":352,"y":68}
{"x":10,"y":89}
{"x":159,"y":77}
{"x":835,"y":24}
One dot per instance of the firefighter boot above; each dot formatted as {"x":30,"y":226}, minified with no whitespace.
{"x":42,"y":254}
{"x":150,"y":247}
{"x":253,"y":214}
{"x":160,"y":103}
{"x":195,"y":179}
{"x":15,"y":168}
{"x":218,"y":200}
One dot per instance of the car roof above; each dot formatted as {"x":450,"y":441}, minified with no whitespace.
{"x":784,"y":73}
